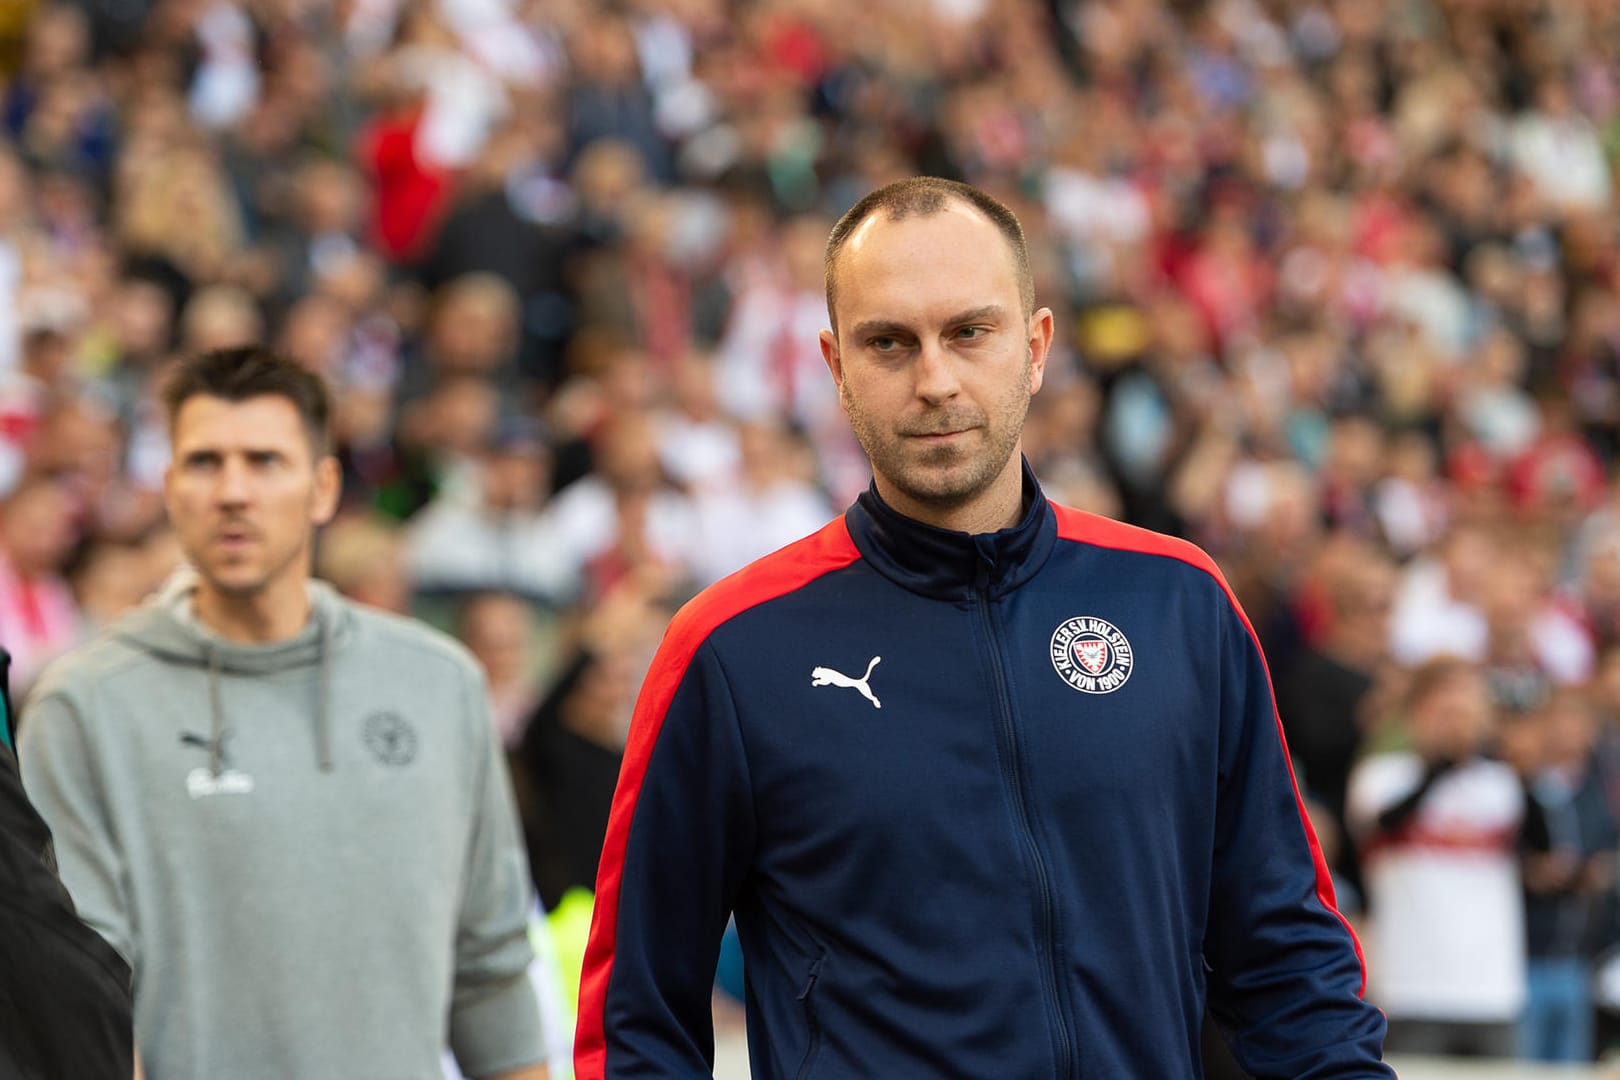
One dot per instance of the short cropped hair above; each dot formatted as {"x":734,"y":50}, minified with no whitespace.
{"x":921,"y":196}
{"x":251,"y":371}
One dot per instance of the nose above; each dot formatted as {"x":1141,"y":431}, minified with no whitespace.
{"x":935,"y":374}
{"x":232,"y":486}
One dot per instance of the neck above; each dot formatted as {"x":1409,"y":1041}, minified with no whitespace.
{"x":275,"y":613}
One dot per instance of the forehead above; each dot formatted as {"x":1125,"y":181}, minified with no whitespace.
{"x":947,"y":261}
{"x":266,"y":422}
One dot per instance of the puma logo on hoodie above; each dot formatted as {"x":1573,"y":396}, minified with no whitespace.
{"x":201,"y":782}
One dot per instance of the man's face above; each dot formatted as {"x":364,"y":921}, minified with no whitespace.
{"x":934,"y":359}
{"x":244,"y":491}
{"x":1454,"y":718}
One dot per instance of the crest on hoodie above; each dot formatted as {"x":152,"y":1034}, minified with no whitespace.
{"x":1092,"y":655}
{"x":390,"y":738}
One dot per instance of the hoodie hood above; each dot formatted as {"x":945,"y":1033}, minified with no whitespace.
{"x":166,"y":627}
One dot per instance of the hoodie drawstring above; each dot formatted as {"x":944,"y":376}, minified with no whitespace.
{"x":216,"y":743}
{"x":323,"y":723}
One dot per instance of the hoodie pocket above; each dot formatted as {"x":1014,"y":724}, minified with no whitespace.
{"x":807,"y":998}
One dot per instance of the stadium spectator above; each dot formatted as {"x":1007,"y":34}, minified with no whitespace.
{"x":362,"y":556}
{"x":770,"y":503}
{"x":1324,"y":697}
{"x":1569,"y":845}
{"x":37,"y":529}
{"x":497,"y":533}
{"x":1438,"y":827}
{"x":499,"y":630}
{"x":573,"y":743}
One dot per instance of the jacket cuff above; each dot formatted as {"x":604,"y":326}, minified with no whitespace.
{"x":495,"y":1028}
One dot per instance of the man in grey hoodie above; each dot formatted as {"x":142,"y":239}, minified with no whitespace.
{"x":287,"y":811}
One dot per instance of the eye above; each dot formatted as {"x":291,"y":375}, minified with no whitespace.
{"x":263,"y":459}
{"x":883,"y":344}
{"x":201,"y":460}
{"x":972,"y":333}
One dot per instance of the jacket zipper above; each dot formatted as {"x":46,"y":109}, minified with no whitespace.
{"x":1012,"y":772}
{"x":810,"y":1018}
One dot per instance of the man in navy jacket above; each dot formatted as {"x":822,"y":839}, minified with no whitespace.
{"x":994,"y":788}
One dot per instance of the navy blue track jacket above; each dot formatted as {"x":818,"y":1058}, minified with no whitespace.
{"x":1001,"y":806}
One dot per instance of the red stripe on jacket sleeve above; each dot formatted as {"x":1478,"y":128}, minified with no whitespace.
{"x":1104,"y":532}
{"x":775,"y":575}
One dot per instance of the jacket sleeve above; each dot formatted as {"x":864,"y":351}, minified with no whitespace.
{"x":1285,"y":970}
{"x":60,"y":768}
{"x":73,"y":987}
{"x":494,"y":1014}
{"x":679,"y":842}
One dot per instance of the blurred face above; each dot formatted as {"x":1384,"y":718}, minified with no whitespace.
{"x":499,"y":631}
{"x":1368,"y":600}
{"x":1469,"y":558}
{"x":515,"y":478}
{"x":38,"y":530}
{"x":329,"y":197}
{"x":628,"y":456}
{"x":1454,"y":718}
{"x":1511,"y":594}
{"x":1520,"y":744}
{"x":59,"y":40}
{"x":465,"y":411}
{"x":473,"y":334}
{"x":244,"y":492}
{"x":142,"y":317}
{"x":934,"y":359}
{"x":315,"y":332}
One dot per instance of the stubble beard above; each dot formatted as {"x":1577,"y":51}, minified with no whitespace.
{"x":946,"y":476}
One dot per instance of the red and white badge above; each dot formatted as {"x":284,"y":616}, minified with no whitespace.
{"x":1092,"y":655}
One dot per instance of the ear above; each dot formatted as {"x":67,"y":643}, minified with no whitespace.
{"x":1040,"y":346}
{"x":328,"y":488}
{"x":834,"y":360}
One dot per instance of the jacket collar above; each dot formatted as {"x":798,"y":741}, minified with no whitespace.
{"x":953,"y":565}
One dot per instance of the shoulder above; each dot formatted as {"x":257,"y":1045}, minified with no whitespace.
{"x":778,"y":574}
{"x":1389,"y":766}
{"x":1176,"y":561}
{"x":1497,"y":776}
{"x":1078,"y":526}
{"x":1379,"y":780}
{"x":103,"y":660}
{"x":413,"y":639}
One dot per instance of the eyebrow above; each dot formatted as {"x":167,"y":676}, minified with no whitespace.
{"x":876,"y":327}
{"x":217,"y":451}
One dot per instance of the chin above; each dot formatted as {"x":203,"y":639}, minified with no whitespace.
{"x":941,"y":490}
{"x":235,"y":584}
{"x":955,"y":478}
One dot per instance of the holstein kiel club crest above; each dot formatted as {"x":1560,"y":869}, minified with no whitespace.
{"x":1092,"y":655}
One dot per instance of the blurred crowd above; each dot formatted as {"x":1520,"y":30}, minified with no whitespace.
{"x":1336,"y":285}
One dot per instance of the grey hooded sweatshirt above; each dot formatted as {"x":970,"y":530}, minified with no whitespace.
{"x":307,"y":850}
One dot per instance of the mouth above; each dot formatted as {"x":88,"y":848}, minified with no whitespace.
{"x":943,"y":425}
{"x":932,"y":438}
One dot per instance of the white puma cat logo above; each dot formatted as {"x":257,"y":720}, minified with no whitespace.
{"x":826,"y":676}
